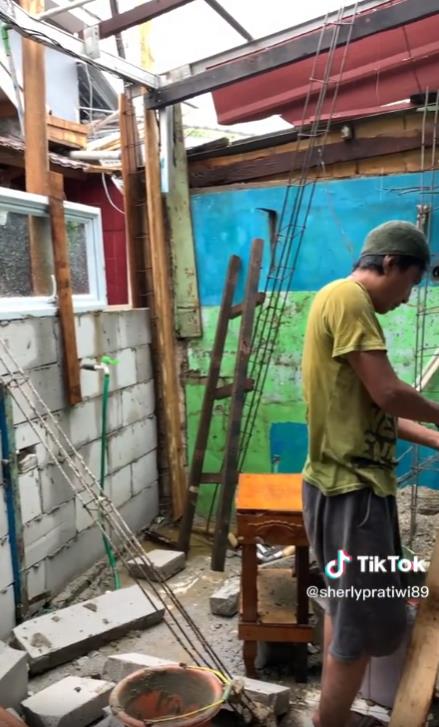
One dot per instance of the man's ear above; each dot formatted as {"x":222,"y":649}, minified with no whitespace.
{"x":388,"y":264}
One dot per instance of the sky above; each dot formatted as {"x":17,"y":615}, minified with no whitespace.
{"x":195,"y":31}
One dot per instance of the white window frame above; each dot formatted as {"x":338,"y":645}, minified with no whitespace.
{"x":37,"y":205}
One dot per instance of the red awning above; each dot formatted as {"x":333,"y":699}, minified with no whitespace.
{"x":371,"y":73}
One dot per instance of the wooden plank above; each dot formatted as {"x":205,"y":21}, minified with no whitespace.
{"x":285,"y":162}
{"x":135,"y":222}
{"x":224,"y":392}
{"x":416,"y":688}
{"x":67,"y":133}
{"x":230,"y":466}
{"x":291,"y":633}
{"x":237,"y":309}
{"x":210,"y":478}
{"x":186,"y":298}
{"x":164,"y":316}
{"x":140,"y":14}
{"x":36,"y":150}
{"x":201,"y":440}
{"x":64,"y":289}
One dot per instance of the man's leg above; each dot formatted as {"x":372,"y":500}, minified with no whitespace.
{"x":341,"y":683}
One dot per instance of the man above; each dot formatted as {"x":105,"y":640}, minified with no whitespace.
{"x":357,"y":407}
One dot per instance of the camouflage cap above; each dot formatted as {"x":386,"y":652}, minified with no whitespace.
{"x":397,"y":238}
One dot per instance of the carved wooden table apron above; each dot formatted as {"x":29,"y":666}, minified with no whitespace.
{"x":269,"y":511}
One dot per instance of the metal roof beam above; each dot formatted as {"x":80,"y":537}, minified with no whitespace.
{"x":18,"y":19}
{"x":215,"y":5}
{"x":136,"y":16}
{"x":293,"y":50}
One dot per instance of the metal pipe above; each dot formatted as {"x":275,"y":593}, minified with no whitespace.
{"x":62,"y":9}
{"x":91,"y":156}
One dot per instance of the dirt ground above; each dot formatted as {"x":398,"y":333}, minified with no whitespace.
{"x":194,"y":586}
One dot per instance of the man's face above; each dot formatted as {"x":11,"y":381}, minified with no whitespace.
{"x":396,"y":285}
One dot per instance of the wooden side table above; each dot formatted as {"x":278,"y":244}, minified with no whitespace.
{"x":274,"y":606}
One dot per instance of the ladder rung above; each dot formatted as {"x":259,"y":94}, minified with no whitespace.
{"x":210,"y":478}
{"x":223,"y":392}
{"x":236,"y":310}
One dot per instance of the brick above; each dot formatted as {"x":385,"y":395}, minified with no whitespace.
{"x":71,"y":632}
{"x":141,"y":510}
{"x":138,"y":402}
{"x":119,"y":486}
{"x":48,"y":381}
{"x":7,"y":610}
{"x":134,"y":328}
{"x":72,"y":701}
{"x":144,"y":471}
{"x":124,"y":373}
{"x":36,"y":580}
{"x":13,"y":676}
{"x":6,"y":574}
{"x":144,"y":363}
{"x":55,"y":490}
{"x":91,"y":454}
{"x":31,"y":341}
{"x":49,"y":533}
{"x":166,"y":562}
{"x":276,"y":697}
{"x":89,"y":339}
{"x":131,"y":443}
{"x":30,"y":497}
{"x":119,"y":666}
{"x":83,"y":423}
{"x":74,"y":558}
{"x":225,"y":601}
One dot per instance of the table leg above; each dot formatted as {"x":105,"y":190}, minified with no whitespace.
{"x":302,"y":579}
{"x":249,"y":583}
{"x":301,"y":663}
{"x":249,"y":653}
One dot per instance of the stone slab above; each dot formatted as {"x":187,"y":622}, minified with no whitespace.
{"x":166,"y":562}
{"x":74,"y":701}
{"x":225,"y":601}
{"x":13,"y":676}
{"x":64,"y":635}
{"x":276,"y":697}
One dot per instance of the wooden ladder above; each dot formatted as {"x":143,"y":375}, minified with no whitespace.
{"x":227,"y":478}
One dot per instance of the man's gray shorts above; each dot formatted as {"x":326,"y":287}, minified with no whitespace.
{"x":359,"y":523}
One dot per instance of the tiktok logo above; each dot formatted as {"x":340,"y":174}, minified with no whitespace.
{"x":336,"y":568}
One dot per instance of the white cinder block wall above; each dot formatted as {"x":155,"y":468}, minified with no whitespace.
{"x":59,"y":538}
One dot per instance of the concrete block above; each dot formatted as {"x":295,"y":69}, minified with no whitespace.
{"x":119,"y":666}
{"x":31,"y":341}
{"x":83,"y":423}
{"x":30,"y":497}
{"x":134,"y":328}
{"x":89,"y":339}
{"x":140,"y":511}
{"x":91,"y":454}
{"x":144,"y":363}
{"x":13,"y":676}
{"x":7,"y":610}
{"x":225,"y":601}
{"x":271,"y":695}
{"x":131,"y":443}
{"x":83,"y":518}
{"x":144,"y":471}
{"x":6,"y":574}
{"x":48,"y":381}
{"x":124,"y":373}
{"x":74,"y":701}
{"x":4,"y":528}
{"x":138,"y":402}
{"x":119,"y":486}
{"x":74,"y":558}
{"x":166,"y":562}
{"x":36,"y":580}
{"x":55,"y":490}
{"x":59,"y":637}
{"x":47,"y":534}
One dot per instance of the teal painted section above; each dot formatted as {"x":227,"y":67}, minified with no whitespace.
{"x":225,"y":222}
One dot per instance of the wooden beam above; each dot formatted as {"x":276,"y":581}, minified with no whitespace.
{"x":64,"y":288}
{"x":164,"y":316}
{"x":36,"y":153}
{"x":136,"y":16}
{"x":115,"y":12}
{"x":67,"y":133}
{"x":293,"y":50}
{"x":416,"y":688}
{"x":270,"y":164}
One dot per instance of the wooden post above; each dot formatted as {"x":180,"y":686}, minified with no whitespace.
{"x":36,"y":151}
{"x":163,"y":312}
{"x":64,"y":288}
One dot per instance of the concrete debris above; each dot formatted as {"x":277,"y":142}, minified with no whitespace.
{"x":225,"y":601}
{"x":9,"y":718}
{"x":59,"y":637}
{"x":166,"y":562}
{"x":13,"y":676}
{"x":273,"y":696}
{"x":72,"y":701}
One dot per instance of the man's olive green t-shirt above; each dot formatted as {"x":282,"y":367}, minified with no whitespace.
{"x":352,"y":441}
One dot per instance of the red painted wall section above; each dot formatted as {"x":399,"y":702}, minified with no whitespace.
{"x":92,"y":192}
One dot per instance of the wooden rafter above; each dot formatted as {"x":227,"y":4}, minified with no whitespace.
{"x":140,"y":14}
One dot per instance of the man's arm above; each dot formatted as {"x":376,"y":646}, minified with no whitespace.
{"x":416,"y":433}
{"x":391,"y":394}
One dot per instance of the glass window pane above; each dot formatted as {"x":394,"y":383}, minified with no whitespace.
{"x":16,"y":232}
{"x":76,"y":233}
